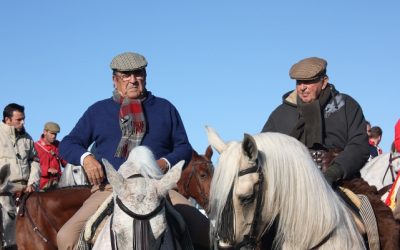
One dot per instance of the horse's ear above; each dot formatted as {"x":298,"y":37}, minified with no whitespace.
{"x":215,"y":140}
{"x":169,"y":180}
{"x":249,"y":147}
{"x":209,"y":152}
{"x":116,"y":179}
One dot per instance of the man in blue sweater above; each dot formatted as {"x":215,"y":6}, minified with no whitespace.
{"x":132,"y":116}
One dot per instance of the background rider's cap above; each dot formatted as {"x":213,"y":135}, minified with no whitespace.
{"x":308,"y":69}
{"x":52,"y":127}
{"x":128,"y":61}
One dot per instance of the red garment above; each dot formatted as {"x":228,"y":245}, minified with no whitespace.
{"x":397,"y":136}
{"x":49,"y":158}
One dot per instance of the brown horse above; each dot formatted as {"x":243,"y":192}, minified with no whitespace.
{"x":196,"y":178}
{"x":44,"y":213}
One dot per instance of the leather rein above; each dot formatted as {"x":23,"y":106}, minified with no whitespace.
{"x":390,"y":167}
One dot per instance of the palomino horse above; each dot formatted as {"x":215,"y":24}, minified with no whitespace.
{"x":196,"y":178}
{"x":46,"y":207}
{"x":7,"y":209}
{"x":139,"y":189}
{"x":382,"y":170}
{"x":269,"y":181}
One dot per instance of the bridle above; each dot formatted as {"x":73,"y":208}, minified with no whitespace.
{"x":390,"y":167}
{"x":142,"y":218}
{"x":200,"y":189}
{"x":250,"y":240}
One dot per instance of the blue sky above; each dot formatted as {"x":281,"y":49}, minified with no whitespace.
{"x":221,"y":63}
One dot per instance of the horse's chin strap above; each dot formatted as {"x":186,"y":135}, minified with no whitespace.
{"x":250,"y":240}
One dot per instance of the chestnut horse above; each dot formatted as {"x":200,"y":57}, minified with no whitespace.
{"x":196,"y":178}
{"x":44,"y":213}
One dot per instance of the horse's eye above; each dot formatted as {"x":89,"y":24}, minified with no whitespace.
{"x":203,"y":175}
{"x":246,"y":200}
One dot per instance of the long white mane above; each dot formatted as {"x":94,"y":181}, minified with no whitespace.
{"x":375,"y":171}
{"x":295,"y":190}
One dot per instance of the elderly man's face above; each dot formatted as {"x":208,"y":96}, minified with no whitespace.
{"x":130,"y":84}
{"x":309,"y":91}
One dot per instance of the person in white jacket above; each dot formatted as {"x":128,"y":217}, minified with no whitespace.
{"x":18,"y":149}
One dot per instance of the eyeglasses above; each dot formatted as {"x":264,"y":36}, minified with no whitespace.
{"x":126,"y":76}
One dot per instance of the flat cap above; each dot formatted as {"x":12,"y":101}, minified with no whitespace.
{"x":52,"y":127}
{"x":308,"y":69}
{"x":128,"y":61}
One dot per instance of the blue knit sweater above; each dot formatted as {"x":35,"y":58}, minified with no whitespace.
{"x":165,"y":134}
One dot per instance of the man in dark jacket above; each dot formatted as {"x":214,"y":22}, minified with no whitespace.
{"x":323,"y":119}
{"x":332,"y":125}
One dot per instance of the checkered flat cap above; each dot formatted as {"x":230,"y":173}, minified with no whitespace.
{"x":308,"y":69}
{"x":128,"y":61}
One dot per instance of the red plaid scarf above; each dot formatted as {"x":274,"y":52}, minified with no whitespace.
{"x":132,"y":123}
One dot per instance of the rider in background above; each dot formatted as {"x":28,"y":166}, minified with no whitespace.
{"x":374,"y":140}
{"x":17,"y":151}
{"x":132,"y":116}
{"x":397,"y":136}
{"x":50,"y":161}
{"x":332,"y":126}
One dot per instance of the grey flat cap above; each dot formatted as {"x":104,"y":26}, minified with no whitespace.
{"x":128,"y":61}
{"x":52,"y":127}
{"x":308,"y":69}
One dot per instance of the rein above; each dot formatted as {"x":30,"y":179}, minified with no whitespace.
{"x":34,"y":227}
{"x":192,"y":173}
{"x":390,"y":167}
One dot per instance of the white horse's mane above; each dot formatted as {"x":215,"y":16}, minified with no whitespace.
{"x":141,"y":161}
{"x":295,"y":190}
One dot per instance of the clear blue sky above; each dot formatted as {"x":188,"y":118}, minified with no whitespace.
{"x":222,"y":63}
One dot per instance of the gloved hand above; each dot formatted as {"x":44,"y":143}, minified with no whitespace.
{"x":333,"y":173}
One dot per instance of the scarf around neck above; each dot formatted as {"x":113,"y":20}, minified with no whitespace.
{"x":310,"y":126}
{"x":132,"y":123}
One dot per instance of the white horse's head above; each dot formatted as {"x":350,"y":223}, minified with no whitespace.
{"x":270,"y":177}
{"x":138,"y":194}
{"x":72,"y":175}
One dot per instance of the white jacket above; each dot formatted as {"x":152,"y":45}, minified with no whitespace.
{"x":19,"y":152}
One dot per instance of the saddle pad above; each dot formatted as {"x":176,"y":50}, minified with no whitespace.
{"x":101,"y":211}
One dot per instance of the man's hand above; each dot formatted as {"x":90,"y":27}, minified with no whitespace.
{"x":52,"y":171}
{"x":163,"y":165}
{"x":93,"y":170}
{"x":29,"y":189}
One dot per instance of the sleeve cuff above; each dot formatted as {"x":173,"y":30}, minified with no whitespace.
{"x":83,"y":157}
{"x":168,"y":164}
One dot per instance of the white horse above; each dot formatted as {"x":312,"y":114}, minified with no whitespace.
{"x":268,"y":179}
{"x":7,"y":209}
{"x":377,"y":172}
{"x":139,"y":190}
{"x":72,"y":175}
